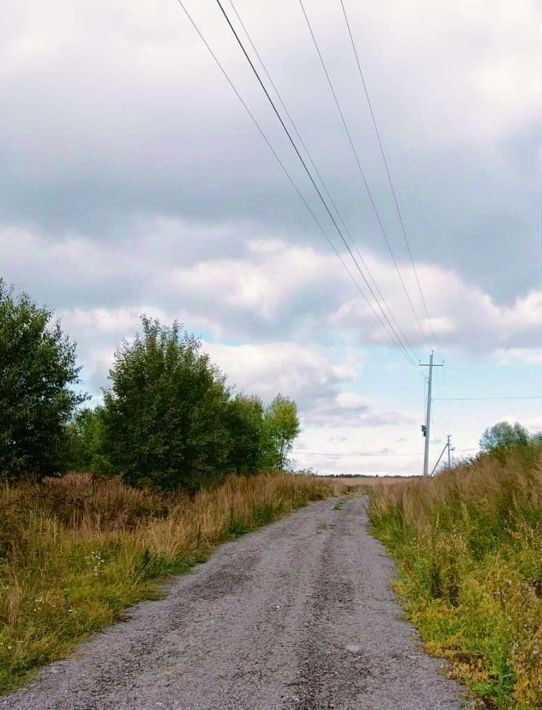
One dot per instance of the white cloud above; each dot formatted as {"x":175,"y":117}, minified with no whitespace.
{"x":469,"y":67}
{"x":462,"y":314}
{"x":307,"y":374}
{"x":532,"y":356}
{"x":271,"y":290}
{"x":133,"y":182}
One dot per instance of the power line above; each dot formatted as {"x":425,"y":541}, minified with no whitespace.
{"x":353,"y":453}
{"x":319,"y":175}
{"x":388,"y":172}
{"x":309,"y":174}
{"x":361,"y":170}
{"x":333,"y":454}
{"x":315,"y":185}
{"x":294,"y":185}
{"x":481,"y":399}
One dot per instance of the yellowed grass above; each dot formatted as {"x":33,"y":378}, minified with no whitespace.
{"x":77,"y":551}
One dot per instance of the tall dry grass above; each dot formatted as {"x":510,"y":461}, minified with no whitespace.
{"x":75,"y":552}
{"x":469,"y":543}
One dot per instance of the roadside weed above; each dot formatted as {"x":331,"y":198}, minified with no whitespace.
{"x":469,"y":545}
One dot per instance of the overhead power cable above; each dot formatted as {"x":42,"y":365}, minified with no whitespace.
{"x":340,"y":454}
{"x":353,"y":453}
{"x":389,"y":328}
{"x":333,"y":454}
{"x":388,"y":172}
{"x":481,"y":399}
{"x":362,"y":171}
{"x":320,"y":177}
{"x":397,"y":337}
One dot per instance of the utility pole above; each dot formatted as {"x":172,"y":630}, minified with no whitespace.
{"x":427,"y":428}
{"x":448,"y":448}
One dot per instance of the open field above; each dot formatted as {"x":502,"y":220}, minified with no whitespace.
{"x":75,"y":552}
{"x":367,"y":482}
{"x":469,"y":542}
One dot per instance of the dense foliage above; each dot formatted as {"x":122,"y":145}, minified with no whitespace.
{"x":166,"y":412}
{"x":282,"y":427}
{"x":247,"y":429}
{"x":37,"y":371}
{"x":85,"y":441}
{"x":504,"y":436}
{"x":169,"y":421}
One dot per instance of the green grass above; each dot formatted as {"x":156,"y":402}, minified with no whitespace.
{"x":469,"y":546}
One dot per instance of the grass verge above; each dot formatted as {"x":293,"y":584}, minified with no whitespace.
{"x":75,"y":552}
{"x":469,"y":546}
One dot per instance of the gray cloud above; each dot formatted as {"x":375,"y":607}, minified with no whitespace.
{"x":113,"y":116}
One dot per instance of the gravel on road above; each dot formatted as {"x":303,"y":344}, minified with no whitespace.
{"x":298,"y":615}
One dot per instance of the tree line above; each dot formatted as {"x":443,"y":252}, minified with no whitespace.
{"x":168,"y":421}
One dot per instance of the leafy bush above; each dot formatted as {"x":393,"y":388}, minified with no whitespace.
{"x":261,"y":438}
{"x":504,"y":436}
{"x":248,"y":434}
{"x":281,"y":428}
{"x":37,"y":371}
{"x":171,"y":423}
{"x":165,"y":414}
{"x":85,"y":442}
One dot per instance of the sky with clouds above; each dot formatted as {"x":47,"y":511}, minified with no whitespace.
{"x":132,"y":180}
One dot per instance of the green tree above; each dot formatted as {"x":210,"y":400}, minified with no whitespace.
{"x":165,"y":414}
{"x":503,"y":436}
{"x":247,"y":434}
{"x":282,"y":427}
{"x":86,"y":442}
{"x":37,"y":372}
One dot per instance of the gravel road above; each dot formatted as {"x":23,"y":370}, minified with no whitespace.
{"x":298,"y":615}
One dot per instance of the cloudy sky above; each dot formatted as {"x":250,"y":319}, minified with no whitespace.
{"x":132,"y":180}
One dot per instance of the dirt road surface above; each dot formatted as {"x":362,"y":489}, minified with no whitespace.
{"x":298,"y":615}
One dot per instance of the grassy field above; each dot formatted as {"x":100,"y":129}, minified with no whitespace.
{"x":75,"y":552}
{"x":469,"y":545}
